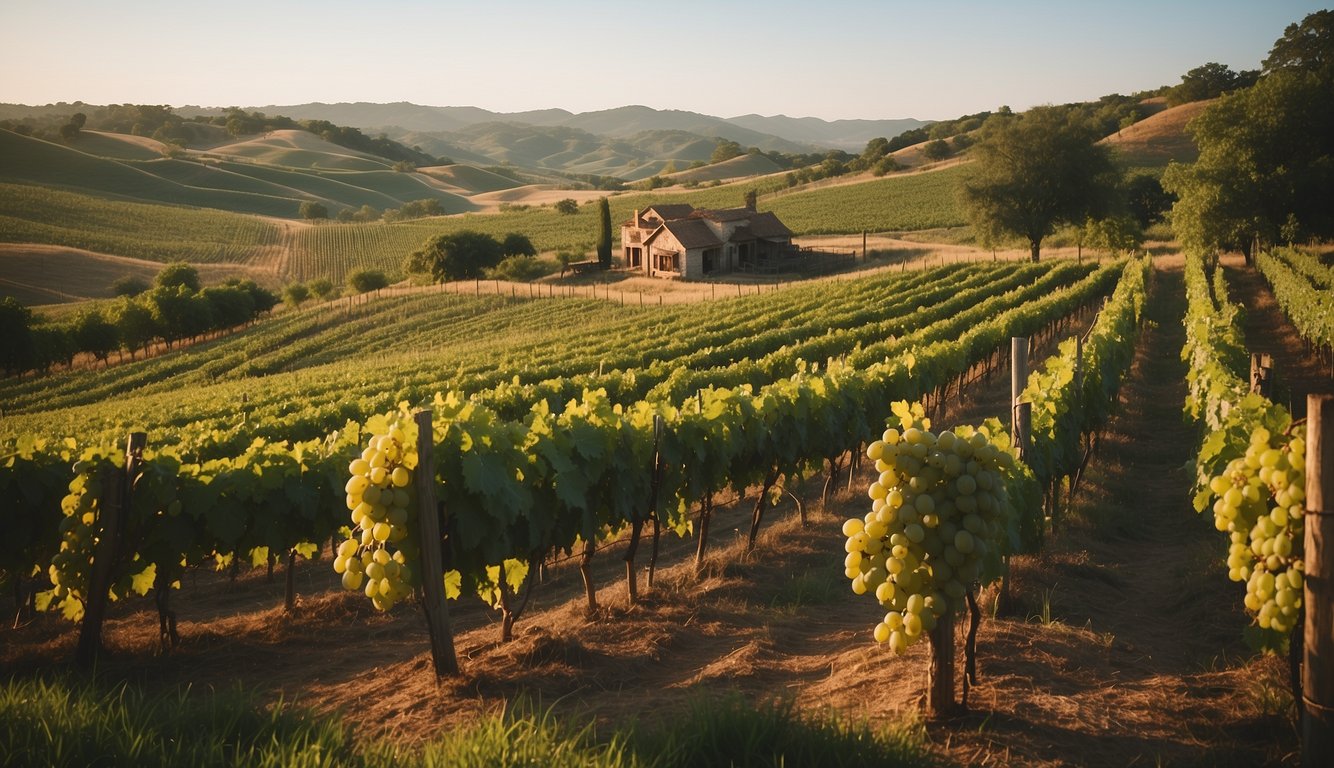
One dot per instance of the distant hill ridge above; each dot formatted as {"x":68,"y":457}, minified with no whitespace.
{"x":778,"y":132}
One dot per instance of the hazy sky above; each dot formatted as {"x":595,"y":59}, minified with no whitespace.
{"x":822,"y":58}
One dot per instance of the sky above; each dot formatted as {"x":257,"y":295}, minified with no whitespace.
{"x":830,"y":59}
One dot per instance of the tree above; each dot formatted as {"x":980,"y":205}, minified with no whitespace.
{"x":134,"y":325}
{"x":1115,"y":234}
{"x":94,"y":334}
{"x":229,"y":305}
{"x":178,"y":274}
{"x":70,"y":131}
{"x":568,"y":206}
{"x":1204,"y":82}
{"x":295,"y":294}
{"x":322,"y":288}
{"x":1035,"y":172}
{"x":311,"y":210}
{"x":937,"y":149}
{"x":367,"y":280}
{"x":604,"y":233}
{"x":516,"y":244}
{"x":725,"y":150}
{"x":1146,"y":200}
{"x":459,"y":255}
{"x":129,"y":285}
{"x":16,"y":342}
{"x":1308,"y":46}
{"x":1266,"y":164}
{"x":752,"y":199}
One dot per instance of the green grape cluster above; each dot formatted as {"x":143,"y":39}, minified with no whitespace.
{"x":81,"y":529}
{"x":71,"y":567}
{"x":1260,"y":506}
{"x":378,"y":558}
{"x":937,"y":513}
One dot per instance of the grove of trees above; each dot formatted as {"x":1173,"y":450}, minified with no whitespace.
{"x":1265,"y":172}
{"x":174,"y":308}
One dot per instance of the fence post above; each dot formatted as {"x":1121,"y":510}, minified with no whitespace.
{"x":116,"y":487}
{"x":433,"y":584}
{"x":1318,"y":661}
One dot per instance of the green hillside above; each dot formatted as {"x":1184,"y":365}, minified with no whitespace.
{"x":33,"y":161}
{"x":33,"y":214}
{"x":469,"y":178}
{"x":241,"y":187}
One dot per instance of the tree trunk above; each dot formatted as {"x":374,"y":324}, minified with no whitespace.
{"x":586,"y":571}
{"x":757,"y":514}
{"x":1034,"y":247}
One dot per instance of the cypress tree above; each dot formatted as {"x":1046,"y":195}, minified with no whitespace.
{"x":604,"y":234}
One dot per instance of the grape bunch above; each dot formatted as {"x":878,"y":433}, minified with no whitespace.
{"x":1259,"y":504}
{"x":380,"y":556}
{"x":71,"y":567}
{"x":81,"y":529}
{"x":938,"y":512}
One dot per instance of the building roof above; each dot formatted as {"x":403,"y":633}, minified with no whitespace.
{"x":669,"y":211}
{"x":766,"y":224}
{"x":725,"y":214}
{"x":690,"y":233}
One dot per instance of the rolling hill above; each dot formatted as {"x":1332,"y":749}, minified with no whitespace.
{"x":280,"y":172}
{"x":1159,"y":138}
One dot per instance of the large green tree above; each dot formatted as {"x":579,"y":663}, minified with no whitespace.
{"x":1265,"y":170}
{"x":1307,"y":46}
{"x":459,"y":255}
{"x":1037,"y":171}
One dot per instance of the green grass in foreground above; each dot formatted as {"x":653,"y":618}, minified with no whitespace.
{"x":58,"y":723}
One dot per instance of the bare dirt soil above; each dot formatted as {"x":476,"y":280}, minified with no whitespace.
{"x":1123,"y":646}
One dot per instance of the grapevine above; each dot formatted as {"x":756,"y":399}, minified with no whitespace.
{"x":81,"y":529}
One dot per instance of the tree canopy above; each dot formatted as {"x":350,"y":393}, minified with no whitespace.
{"x":1266,"y":157}
{"x":458,"y":255}
{"x":1265,"y":173}
{"x":1037,"y":171}
{"x":1307,"y":46}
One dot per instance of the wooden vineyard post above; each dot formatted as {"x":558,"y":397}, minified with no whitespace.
{"x":1318,"y":638}
{"x":433,"y":584}
{"x":1019,"y":430}
{"x":1262,"y":373}
{"x":114,"y":505}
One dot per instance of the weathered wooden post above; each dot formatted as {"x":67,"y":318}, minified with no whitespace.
{"x":113,"y":508}
{"x":432,"y":575}
{"x":1018,"y":380}
{"x":1262,"y":373}
{"x":1318,"y":635}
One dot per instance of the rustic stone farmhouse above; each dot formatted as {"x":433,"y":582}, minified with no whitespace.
{"x":683,"y":242}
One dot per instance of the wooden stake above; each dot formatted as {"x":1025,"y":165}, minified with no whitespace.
{"x":114,"y":506}
{"x":433,"y":570}
{"x":1318,"y":666}
{"x":1262,"y":373}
